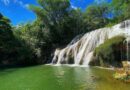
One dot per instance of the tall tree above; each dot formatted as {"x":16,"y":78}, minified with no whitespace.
{"x":96,"y":16}
{"x":120,"y":10}
{"x":4,"y":23}
{"x":53,"y":13}
{"x":12,"y":50}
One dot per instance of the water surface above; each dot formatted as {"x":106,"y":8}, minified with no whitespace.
{"x":59,"y":78}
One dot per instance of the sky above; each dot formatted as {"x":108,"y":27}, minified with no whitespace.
{"x":17,"y":10}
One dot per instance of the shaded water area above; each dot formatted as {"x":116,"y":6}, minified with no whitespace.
{"x":60,"y":78}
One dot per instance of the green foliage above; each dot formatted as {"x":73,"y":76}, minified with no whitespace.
{"x":120,"y":10}
{"x":12,"y":51}
{"x":109,"y":53}
{"x":53,"y":14}
{"x":4,"y":23}
{"x":36,"y":38}
{"x":96,"y":16}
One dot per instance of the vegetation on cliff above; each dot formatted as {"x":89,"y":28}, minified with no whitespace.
{"x":109,"y":53}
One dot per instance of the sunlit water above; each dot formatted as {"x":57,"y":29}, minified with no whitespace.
{"x":60,"y":78}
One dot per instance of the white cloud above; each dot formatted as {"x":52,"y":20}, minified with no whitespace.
{"x":21,"y":3}
{"x":18,"y":2}
{"x":74,"y":7}
{"x":26,"y":5}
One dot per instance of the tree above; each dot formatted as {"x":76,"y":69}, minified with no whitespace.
{"x":13,"y":51}
{"x":96,"y":16}
{"x":120,"y":10}
{"x":4,"y":23}
{"x":6,"y":40}
{"x":53,"y":13}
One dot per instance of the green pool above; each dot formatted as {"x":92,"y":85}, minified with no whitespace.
{"x":59,"y":78}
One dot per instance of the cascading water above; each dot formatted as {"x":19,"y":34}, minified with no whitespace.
{"x":81,"y":52}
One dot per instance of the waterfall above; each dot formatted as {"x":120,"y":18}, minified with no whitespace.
{"x":81,"y":52}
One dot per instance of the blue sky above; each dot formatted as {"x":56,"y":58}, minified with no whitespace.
{"x":17,"y":10}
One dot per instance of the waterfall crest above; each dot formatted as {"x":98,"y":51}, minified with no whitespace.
{"x":81,"y":52}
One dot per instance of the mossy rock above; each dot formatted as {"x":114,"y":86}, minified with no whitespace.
{"x":109,"y":53}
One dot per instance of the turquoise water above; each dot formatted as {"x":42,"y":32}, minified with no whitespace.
{"x":59,"y":78}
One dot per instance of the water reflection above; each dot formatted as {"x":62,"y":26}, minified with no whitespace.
{"x":75,"y":78}
{"x":85,"y":78}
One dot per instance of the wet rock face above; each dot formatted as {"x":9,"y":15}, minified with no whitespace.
{"x":80,"y":50}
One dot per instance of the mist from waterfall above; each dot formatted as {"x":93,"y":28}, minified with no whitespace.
{"x":81,"y":52}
